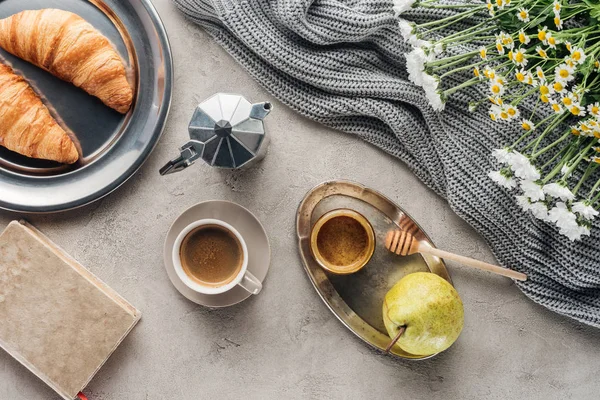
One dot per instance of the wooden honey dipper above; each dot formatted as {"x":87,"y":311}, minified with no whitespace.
{"x":404,"y":243}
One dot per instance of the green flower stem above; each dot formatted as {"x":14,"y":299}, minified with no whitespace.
{"x":463,"y":85}
{"x":451,"y":18}
{"x":461,"y":57}
{"x":486,"y":22}
{"x":559,"y":166}
{"x":466,"y":67}
{"x":559,"y":118}
{"x":582,"y":155}
{"x":526,"y":134}
{"x":594,"y":189}
{"x":557,"y":155}
{"x":588,"y":171}
{"x":448,"y":6}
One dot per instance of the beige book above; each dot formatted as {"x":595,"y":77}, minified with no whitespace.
{"x":58,"y":320}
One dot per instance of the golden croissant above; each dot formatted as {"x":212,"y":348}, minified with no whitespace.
{"x":26,"y":125}
{"x":68,"y":47}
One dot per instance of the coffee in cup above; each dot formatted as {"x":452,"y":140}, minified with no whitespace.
{"x":342,"y":241}
{"x":211,"y":257}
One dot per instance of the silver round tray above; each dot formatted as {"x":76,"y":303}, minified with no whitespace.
{"x":357,"y":299}
{"x":113,"y":146}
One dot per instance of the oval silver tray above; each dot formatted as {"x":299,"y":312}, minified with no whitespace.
{"x":357,"y":299}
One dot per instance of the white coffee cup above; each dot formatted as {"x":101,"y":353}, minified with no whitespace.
{"x":244,"y":278}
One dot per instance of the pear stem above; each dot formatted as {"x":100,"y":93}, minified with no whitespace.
{"x":394,"y":340}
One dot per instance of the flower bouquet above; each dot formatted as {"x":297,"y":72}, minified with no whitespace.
{"x":539,"y":62}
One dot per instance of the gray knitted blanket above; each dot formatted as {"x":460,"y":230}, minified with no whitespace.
{"x":341,"y":63}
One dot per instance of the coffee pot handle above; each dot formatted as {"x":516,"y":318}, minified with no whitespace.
{"x":251,"y":283}
{"x":189,"y":153}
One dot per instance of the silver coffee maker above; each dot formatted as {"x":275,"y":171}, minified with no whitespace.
{"x":226,"y":131}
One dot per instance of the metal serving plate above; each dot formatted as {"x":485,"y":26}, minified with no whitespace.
{"x":357,"y":299}
{"x":113,"y":146}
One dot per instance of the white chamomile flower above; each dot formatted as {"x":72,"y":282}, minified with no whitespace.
{"x":577,"y":109}
{"x":401,"y":6}
{"x":430,"y":85}
{"x":542,"y":33}
{"x":540,"y":73}
{"x":490,"y":7}
{"x":406,"y":28}
{"x":523,"y":202}
{"x":503,"y":179}
{"x":523,"y":38}
{"x":558,"y":191}
{"x":568,"y":98}
{"x":415,"y":65}
{"x":541,"y":52}
{"x":532,"y":190}
{"x":539,"y":210}
{"x":585,"y":129}
{"x":501,"y":155}
{"x":556,"y":7}
{"x":530,"y":80}
{"x":594,"y":109}
{"x":568,"y":45}
{"x":477,"y":73}
{"x":585,"y":210}
{"x":562,"y":216}
{"x":512,"y":111}
{"x":578,"y":55}
{"x":503,"y":114}
{"x":523,"y":14}
{"x":497,"y":87}
{"x":558,"y":22}
{"x":489,"y":72}
{"x":494,"y":113}
{"x":507,"y":40}
{"x":522,"y":167}
{"x":559,"y":87}
{"x":556,"y":107}
{"x":551,"y":41}
{"x":546,"y":89}
{"x":566,"y":221}
{"x":500,"y":48}
{"x":521,"y":75}
{"x":527,"y":125}
{"x":519,"y":58}
{"x":483,"y":53}
{"x":575,"y":233}
{"x":564,"y":73}
{"x":496,"y":100}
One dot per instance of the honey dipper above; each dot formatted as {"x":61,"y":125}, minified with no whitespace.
{"x":404,"y":243}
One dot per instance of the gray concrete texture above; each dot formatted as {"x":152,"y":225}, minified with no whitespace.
{"x":284,"y":343}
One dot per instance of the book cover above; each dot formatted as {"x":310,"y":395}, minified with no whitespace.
{"x":58,"y":319}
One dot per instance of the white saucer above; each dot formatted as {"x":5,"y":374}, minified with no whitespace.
{"x":259,"y":251}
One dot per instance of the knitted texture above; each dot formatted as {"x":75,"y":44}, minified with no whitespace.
{"x":341,"y":63}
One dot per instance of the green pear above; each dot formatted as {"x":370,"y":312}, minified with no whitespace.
{"x":430,"y":310}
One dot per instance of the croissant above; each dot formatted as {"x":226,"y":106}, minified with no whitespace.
{"x":68,"y":47}
{"x":26,"y":125}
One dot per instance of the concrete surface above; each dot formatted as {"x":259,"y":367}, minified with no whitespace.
{"x":284,"y":343}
